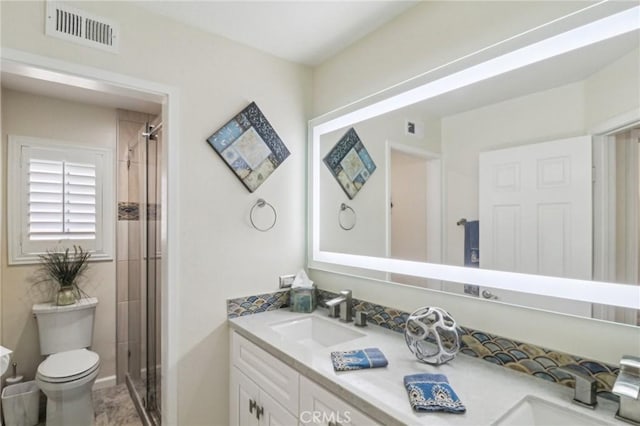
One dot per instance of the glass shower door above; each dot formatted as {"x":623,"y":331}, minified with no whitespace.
{"x":153,"y":270}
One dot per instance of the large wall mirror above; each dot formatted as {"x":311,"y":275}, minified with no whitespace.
{"x":511,"y":175}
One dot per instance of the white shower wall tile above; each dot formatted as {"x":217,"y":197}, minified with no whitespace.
{"x":131,"y":125}
{"x":122,"y":361}
{"x":135,"y":147}
{"x":135,"y":236}
{"x":122,"y":329}
{"x":122,"y":240}
{"x":133,"y":247}
{"x":133,"y":183}
{"x":123,"y":181}
{"x":135,"y":280}
{"x":122,"y":280}
{"x":134,"y":316}
{"x":127,"y":136}
{"x":134,"y":359}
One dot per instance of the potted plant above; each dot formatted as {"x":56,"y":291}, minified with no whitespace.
{"x":64,"y":268}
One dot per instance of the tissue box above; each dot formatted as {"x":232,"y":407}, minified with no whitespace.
{"x":302,"y":299}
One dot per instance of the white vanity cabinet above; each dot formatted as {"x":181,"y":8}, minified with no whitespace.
{"x":264,"y":390}
{"x":320,"y":407}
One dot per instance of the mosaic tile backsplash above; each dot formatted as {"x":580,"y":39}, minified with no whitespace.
{"x":522,"y":357}
{"x":128,"y":210}
{"x":255,"y":304}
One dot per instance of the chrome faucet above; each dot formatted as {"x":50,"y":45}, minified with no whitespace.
{"x":627,"y":387}
{"x":342,"y":306}
{"x":585,"y":387}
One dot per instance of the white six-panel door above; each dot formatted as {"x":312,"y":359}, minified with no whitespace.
{"x":536,"y":209}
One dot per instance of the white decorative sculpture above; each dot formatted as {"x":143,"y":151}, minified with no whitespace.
{"x":432,"y":336}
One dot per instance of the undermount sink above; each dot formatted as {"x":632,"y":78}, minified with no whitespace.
{"x":314,"y":330}
{"x":533,"y":411}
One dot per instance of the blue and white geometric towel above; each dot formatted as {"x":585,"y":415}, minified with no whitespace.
{"x":431,"y":392}
{"x":359,"y":359}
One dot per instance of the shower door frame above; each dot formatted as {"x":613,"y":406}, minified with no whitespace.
{"x":152,"y":241}
{"x":19,"y":62}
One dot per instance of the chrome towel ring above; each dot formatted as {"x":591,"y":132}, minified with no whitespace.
{"x":261,"y":203}
{"x":344,"y":208}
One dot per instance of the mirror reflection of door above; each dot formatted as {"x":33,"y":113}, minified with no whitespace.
{"x":536,"y":214}
{"x":535,"y":208}
{"x":414,"y":209}
{"x":548,"y":223}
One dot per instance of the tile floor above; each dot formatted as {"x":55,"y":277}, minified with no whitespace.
{"x":114,"y":406}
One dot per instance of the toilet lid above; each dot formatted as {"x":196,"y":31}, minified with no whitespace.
{"x":68,"y":365}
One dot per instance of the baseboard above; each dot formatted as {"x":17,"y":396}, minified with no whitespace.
{"x":104,"y":382}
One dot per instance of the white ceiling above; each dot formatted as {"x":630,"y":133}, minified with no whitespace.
{"x":307,"y":32}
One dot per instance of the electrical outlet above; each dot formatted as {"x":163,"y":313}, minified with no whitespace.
{"x":286,"y":280}
{"x":471,"y":289}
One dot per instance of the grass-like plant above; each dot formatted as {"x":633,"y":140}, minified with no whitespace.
{"x":65,"y":267}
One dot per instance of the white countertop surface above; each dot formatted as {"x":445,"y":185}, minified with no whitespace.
{"x":487,"y":390}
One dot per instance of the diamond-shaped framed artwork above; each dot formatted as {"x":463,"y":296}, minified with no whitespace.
{"x":249,"y":146}
{"x":350,"y":163}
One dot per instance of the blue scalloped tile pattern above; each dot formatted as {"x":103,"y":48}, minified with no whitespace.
{"x":254,"y":304}
{"x":535,"y":360}
{"x":523,"y":357}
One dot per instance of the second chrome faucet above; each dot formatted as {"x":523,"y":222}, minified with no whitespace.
{"x":341,"y":306}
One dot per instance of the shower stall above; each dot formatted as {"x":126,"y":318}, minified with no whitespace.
{"x":139,"y":262}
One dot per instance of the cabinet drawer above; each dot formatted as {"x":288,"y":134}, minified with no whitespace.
{"x":272,"y":375}
{"x":318,"y":406}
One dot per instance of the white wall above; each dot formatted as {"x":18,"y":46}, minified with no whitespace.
{"x":37,"y":116}
{"x":368,"y":237}
{"x":544,"y":116}
{"x":428,"y":35}
{"x":614,"y":90}
{"x":566,"y":111}
{"x":411,"y":44}
{"x":220,"y":255}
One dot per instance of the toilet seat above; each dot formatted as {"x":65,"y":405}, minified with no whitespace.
{"x":68,"y":366}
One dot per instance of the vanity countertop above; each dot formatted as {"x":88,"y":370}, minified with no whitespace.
{"x":487,"y":390}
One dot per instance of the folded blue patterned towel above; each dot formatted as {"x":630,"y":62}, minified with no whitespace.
{"x":359,"y":359}
{"x":431,"y":392}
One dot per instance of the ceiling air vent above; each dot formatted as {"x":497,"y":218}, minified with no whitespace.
{"x":80,"y":27}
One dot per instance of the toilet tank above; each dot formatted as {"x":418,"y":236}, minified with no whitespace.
{"x":64,"y":328}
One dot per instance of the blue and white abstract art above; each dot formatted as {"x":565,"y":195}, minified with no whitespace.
{"x":250,"y":147}
{"x":350,"y":163}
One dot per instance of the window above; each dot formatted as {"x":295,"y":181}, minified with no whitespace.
{"x":60,"y":195}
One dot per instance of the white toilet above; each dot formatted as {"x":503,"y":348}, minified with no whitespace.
{"x":67,"y":375}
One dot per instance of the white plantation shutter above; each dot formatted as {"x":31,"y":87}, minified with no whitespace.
{"x":60,"y":198}
{"x":80,"y":201}
{"x":45,"y":199}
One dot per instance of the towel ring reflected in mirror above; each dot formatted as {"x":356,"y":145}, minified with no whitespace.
{"x":261,"y":203}
{"x":344,"y":209}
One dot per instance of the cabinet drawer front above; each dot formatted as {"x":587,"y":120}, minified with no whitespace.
{"x":272,"y":375}
{"x":318,"y":406}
